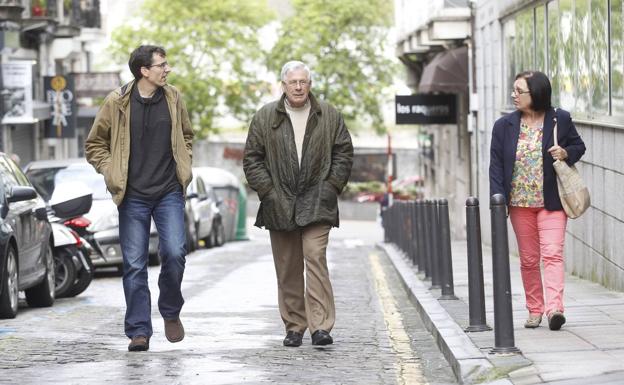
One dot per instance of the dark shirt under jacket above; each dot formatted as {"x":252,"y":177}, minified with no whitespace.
{"x":152,"y":168}
{"x":505,"y":143}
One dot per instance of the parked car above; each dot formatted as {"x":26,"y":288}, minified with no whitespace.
{"x":101,"y":229}
{"x":202,"y":215}
{"x":26,"y":261}
{"x":226,"y":186}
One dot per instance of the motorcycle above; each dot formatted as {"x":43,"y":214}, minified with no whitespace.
{"x":74,"y":268}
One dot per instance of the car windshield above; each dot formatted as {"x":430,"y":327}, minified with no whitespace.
{"x":45,"y":179}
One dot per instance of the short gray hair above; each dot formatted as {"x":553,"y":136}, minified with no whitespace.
{"x":294,"y":65}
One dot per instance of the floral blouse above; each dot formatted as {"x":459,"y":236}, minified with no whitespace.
{"x":527,"y":179}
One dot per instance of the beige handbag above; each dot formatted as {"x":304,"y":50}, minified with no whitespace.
{"x":573,"y":193}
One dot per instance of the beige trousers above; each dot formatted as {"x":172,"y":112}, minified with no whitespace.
{"x":310,"y":303}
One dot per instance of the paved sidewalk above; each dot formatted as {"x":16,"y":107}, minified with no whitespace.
{"x":588,"y":349}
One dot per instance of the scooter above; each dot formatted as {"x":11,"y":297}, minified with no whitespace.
{"x":74,"y":268}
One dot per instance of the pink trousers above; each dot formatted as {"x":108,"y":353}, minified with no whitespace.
{"x":540,"y":234}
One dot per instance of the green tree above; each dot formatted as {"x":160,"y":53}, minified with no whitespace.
{"x":345,"y":44}
{"x":214,"y":49}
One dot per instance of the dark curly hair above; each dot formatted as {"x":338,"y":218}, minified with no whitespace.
{"x":142,"y":57}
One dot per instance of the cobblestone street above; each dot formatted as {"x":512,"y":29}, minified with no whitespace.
{"x":234,"y":333}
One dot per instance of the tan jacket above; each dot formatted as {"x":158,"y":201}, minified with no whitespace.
{"x":107,"y":147}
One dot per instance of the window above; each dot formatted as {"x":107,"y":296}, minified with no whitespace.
{"x":6,"y":173}
{"x":553,"y":53}
{"x":201,"y":189}
{"x":509,"y":41}
{"x":581,"y":28}
{"x":566,"y":55}
{"x":540,"y":39}
{"x":599,"y":59}
{"x":570,"y":40}
{"x":525,"y":47}
{"x":19,"y":175}
{"x":617,"y":57}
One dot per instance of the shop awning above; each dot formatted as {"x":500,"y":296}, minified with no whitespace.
{"x":447,"y":72}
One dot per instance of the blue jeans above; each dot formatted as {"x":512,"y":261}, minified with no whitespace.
{"x":134,"y":230}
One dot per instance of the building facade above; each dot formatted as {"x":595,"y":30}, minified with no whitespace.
{"x":433,"y":43}
{"x":579,"y":44}
{"x":41,"y":39}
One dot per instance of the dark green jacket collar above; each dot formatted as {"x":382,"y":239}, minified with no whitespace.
{"x":315,"y":108}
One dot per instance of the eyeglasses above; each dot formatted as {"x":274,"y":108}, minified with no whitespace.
{"x":162,"y":65}
{"x":295,"y":83}
{"x":518,"y":91}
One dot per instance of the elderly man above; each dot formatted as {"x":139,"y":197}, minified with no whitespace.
{"x":298,"y":158}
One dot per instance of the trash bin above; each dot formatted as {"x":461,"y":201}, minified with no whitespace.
{"x":226,"y":186}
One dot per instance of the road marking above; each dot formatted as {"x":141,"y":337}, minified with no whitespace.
{"x":409,"y":370}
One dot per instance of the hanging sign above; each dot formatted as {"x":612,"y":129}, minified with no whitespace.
{"x":17,"y":92}
{"x":426,"y":109}
{"x":59,"y":93}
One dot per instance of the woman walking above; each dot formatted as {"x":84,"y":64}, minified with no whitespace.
{"x":522,"y":154}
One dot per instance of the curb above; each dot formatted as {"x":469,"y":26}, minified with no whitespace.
{"x":469,"y":363}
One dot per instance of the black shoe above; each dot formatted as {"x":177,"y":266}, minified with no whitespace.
{"x":139,"y":344}
{"x":556,"y":320}
{"x":293,"y":339}
{"x":322,"y":337}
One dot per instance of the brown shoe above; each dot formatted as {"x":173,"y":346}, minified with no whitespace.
{"x":174,"y":331}
{"x":139,"y":344}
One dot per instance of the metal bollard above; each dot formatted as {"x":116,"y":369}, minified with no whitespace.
{"x":427,"y":233}
{"x":435,"y":245}
{"x":420,"y":236}
{"x":476,"y":296}
{"x":446,"y":256}
{"x":388,"y":222}
{"x":412,"y":234}
{"x":503,"y":316}
{"x":393,"y":224}
{"x":404,"y":227}
{"x":397,"y":215}
{"x":383,"y":214}
{"x":408,"y":230}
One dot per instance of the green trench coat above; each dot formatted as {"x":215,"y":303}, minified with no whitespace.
{"x":293,"y":196}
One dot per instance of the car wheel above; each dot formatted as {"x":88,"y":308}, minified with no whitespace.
{"x":8,"y":298}
{"x":219,"y":234}
{"x":65,"y":271}
{"x":209,"y":240}
{"x":43,"y":294}
{"x":190,"y":238}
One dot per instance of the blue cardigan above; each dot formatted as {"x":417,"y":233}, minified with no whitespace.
{"x":505,"y":143}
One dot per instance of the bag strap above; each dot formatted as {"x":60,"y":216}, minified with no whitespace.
{"x":555,"y":128}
